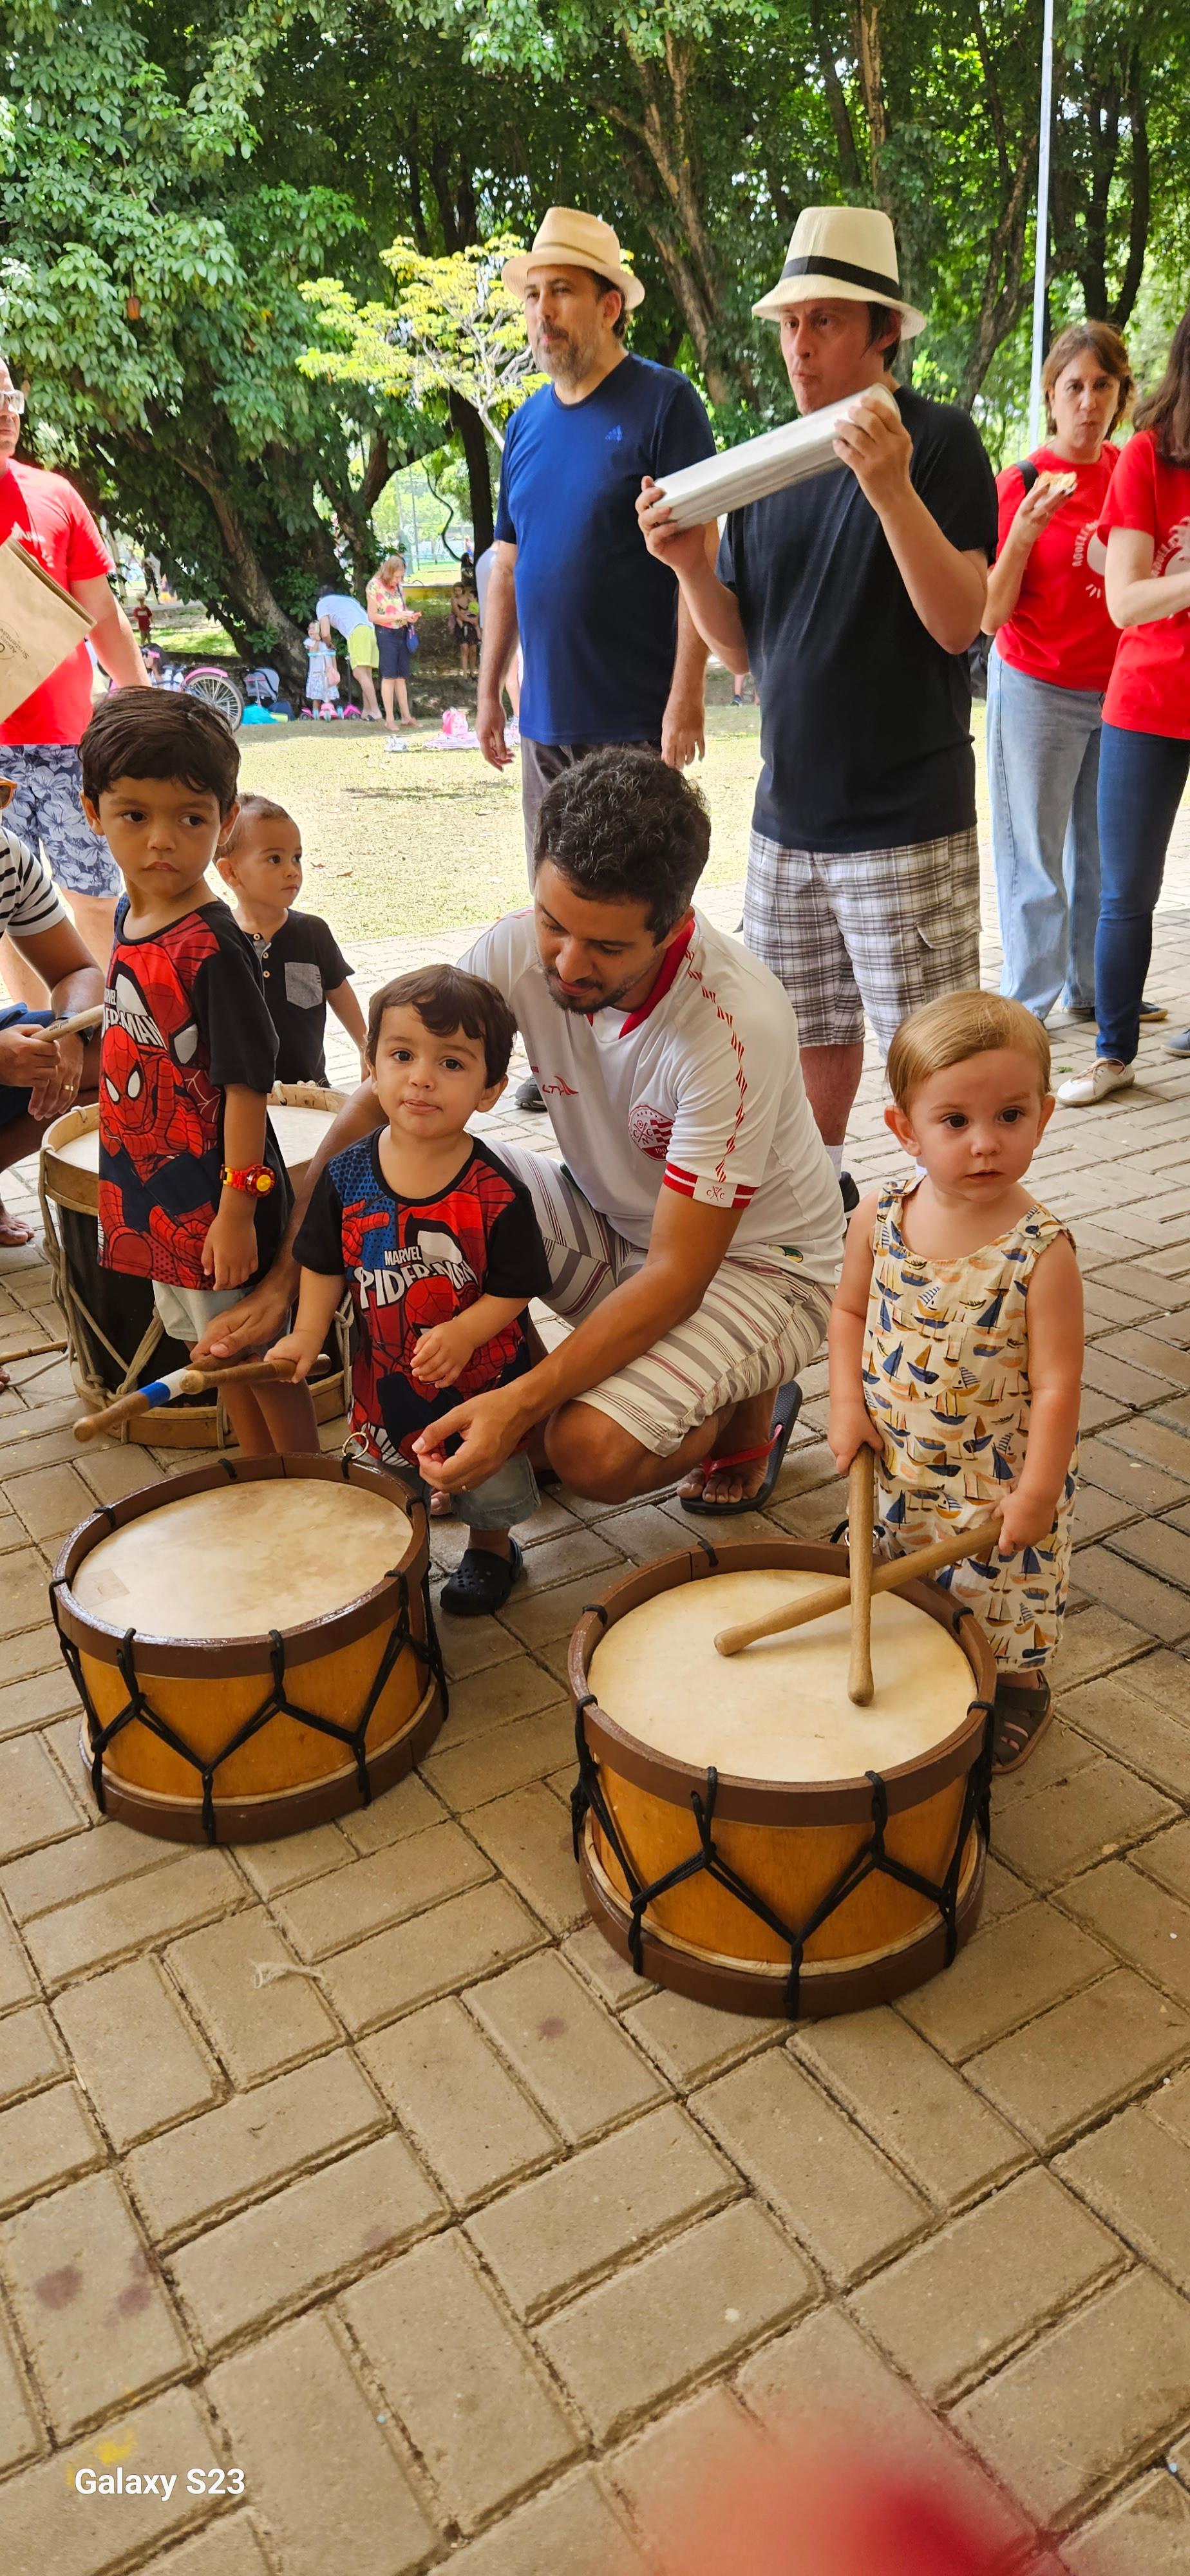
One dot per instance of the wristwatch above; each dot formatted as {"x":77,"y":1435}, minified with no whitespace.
{"x":255,"y":1178}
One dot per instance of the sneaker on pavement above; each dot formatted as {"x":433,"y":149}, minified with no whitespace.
{"x":528,"y":1096}
{"x":1179,"y":1045}
{"x":1084,"y":1089}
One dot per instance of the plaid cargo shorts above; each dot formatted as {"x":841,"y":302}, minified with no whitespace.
{"x":854,"y":931}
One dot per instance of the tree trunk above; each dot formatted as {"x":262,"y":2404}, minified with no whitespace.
{"x":850,"y":173}
{"x":665,"y":168}
{"x":260,"y":602}
{"x":871,"y":81}
{"x":465,"y":421}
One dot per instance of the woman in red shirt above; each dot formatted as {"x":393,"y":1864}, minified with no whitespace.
{"x":1055,"y":644}
{"x":1145,"y":755}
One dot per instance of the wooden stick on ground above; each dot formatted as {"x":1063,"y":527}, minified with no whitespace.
{"x":861,"y":1496}
{"x":187,"y":1381}
{"x":30,"y":1351}
{"x":836,"y":1595}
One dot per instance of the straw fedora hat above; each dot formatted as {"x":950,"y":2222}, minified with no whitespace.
{"x":847,"y":251}
{"x":573,"y":240}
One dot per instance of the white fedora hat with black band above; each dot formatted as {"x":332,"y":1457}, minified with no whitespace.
{"x":568,"y":239}
{"x":847,"y":251}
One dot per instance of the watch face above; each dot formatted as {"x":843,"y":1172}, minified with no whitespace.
{"x":264,"y":1183}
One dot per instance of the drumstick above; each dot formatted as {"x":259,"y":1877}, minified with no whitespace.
{"x":837,"y":1595}
{"x":860,"y":1500}
{"x":186,"y":1381}
{"x":76,"y":1024}
{"x":30,"y":1351}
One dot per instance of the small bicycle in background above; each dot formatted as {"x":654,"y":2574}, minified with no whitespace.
{"x":207,"y":680}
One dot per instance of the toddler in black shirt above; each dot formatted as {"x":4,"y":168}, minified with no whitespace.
{"x":260,"y":858}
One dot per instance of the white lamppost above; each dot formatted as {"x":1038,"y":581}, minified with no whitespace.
{"x":1041,"y":254}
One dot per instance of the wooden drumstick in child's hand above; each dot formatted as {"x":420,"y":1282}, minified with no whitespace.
{"x":77,"y":1025}
{"x":861,"y":1496}
{"x":186,"y":1381}
{"x":836,"y":1595}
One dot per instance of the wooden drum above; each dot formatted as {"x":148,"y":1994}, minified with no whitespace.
{"x":253,"y":1646}
{"x":744,"y":1833}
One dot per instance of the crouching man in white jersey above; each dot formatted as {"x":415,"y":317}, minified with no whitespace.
{"x":693,"y":1227}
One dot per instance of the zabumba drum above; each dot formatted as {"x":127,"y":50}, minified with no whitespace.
{"x":115,"y":1340}
{"x":253,"y":1646}
{"x":744,"y":1832}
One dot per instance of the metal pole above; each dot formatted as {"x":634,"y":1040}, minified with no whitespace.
{"x":1041,"y":253}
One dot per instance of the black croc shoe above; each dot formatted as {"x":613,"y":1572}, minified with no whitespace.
{"x":481,"y":1582}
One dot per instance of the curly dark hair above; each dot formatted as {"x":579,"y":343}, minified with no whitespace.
{"x":622,"y":827}
{"x":447,"y":999}
{"x":160,"y":733}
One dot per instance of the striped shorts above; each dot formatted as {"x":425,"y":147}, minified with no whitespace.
{"x":761,"y":1321}
{"x":854,"y":931}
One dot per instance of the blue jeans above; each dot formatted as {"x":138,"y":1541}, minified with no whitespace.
{"x":503,"y":1499}
{"x":1141,"y":779}
{"x":1043,"y":770}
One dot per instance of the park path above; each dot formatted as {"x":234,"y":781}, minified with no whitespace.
{"x":459,"y":2247}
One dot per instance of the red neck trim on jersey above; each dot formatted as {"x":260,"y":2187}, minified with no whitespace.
{"x":665,"y":976}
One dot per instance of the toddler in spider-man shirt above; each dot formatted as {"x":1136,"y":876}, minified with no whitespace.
{"x":193,"y":1193}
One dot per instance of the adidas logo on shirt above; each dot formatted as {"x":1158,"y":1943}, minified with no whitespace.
{"x":614,"y":434}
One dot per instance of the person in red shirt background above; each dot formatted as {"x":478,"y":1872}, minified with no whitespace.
{"x":1145,"y":753}
{"x":39,"y":741}
{"x":1055,"y":645}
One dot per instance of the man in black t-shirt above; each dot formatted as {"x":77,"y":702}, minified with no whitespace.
{"x":854,"y":597}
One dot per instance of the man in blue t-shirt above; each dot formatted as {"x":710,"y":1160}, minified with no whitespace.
{"x":609,"y":655}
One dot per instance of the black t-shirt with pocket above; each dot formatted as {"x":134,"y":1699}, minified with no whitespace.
{"x":301,"y":964}
{"x":865,"y":720}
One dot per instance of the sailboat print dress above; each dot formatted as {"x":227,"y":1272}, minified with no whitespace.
{"x":946,"y":1380}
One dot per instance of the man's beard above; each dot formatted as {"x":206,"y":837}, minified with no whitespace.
{"x":580,"y":1007}
{"x":566,"y":358}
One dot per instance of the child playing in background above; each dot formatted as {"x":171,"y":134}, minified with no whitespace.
{"x":440,"y":1250}
{"x":260,"y":858}
{"x":956,"y":1337}
{"x":193,"y":1192}
{"x":322,"y":669}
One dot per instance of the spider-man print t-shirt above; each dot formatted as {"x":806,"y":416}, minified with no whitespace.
{"x":184,"y":1015}
{"x":414,"y":1263}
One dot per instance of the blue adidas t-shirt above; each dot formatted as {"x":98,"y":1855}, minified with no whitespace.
{"x":597,"y":613}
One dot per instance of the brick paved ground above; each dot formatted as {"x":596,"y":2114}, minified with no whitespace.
{"x":464,"y":2248}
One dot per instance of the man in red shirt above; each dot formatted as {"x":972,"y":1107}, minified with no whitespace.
{"x":39,"y":740}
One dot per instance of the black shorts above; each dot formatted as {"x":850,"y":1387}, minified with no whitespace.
{"x":395,"y":656}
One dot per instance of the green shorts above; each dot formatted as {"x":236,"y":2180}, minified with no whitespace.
{"x":363,"y":652}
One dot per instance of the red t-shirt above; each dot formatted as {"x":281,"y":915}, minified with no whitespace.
{"x":1150,"y":681}
{"x":1060,"y":630}
{"x":45,"y":512}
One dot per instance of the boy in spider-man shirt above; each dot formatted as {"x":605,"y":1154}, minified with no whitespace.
{"x":193,"y":1193}
{"x":440,"y":1249}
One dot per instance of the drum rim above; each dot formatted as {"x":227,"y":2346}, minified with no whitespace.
{"x":213,"y":1657}
{"x":740,"y":1799}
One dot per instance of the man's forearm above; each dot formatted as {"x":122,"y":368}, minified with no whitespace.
{"x":690,"y":657}
{"x":948,"y":593}
{"x":118,"y":650}
{"x":712,"y":609}
{"x":78,"y":991}
{"x":499,"y":631}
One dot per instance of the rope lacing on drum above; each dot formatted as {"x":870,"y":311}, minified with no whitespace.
{"x":276,"y":1702}
{"x":587,"y":1796}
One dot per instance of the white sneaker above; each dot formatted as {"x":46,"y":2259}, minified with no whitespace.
{"x":1084,"y":1089}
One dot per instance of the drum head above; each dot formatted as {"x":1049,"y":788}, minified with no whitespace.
{"x":778,"y":1711}
{"x":239,"y":1560}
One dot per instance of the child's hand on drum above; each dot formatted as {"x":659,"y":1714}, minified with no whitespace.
{"x":229,"y":1247}
{"x":300,"y":1348}
{"x":439,"y":1354}
{"x":850,"y":1427}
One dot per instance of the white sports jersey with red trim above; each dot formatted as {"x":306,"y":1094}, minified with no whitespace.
{"x":700,"y":1090}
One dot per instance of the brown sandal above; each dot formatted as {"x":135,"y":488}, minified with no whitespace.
{"x":1022,"y":1717}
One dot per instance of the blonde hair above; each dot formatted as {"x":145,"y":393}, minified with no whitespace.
{"x":961,"y":1025}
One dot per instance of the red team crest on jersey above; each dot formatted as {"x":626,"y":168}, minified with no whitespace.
{"x":650,"y":1130}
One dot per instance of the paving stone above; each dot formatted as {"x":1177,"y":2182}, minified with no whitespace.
{"x":30,"y":2053}
{"x":1137,"y":2175}
{"x":135,"y":2051}
{"x":614,"y":1979}
{"x":1003,"y":1892}
{"x":1161,"y":1546}
{"x":89,"y":2302}
{"x":1163,"y":1358}
{"x":39,"y":1695}
{"x":570,"y":2531}
{"x":318,"y":2465}
{"x":1061,"y":1829}
{"x":689,"y":2040}
{"x":1150,"y":1927}
{"x":493,"y":1699}
{"x":914,"y":2105}
{"x":1171,"y":2105}
{"x":50,"y":1500}
{"x":1156,"y":1608}
{"x":112,"y":1472}
{"x":1143,"y":1435}
{"x":21,"y":2435}
{"x":842,"y":2199}
{"x":1137,"y":1481}
{"x":48,"y":2525}
{"x":459,"y":2378}
{"x":572,"y":2055}
{"x":986,"y":2284}
{"x":509,"y":1757}
{"x":459,"y":2103}
{"x":402,"y":1880}
{"x":67,"y":1871}
{"x":295,"y":1859}
{"x":541,"y":1618}
{"x":1014,"y":1969}
{"x":257,"y":2028}
{"x":1064,"y":2421}
{"x":1096,"y":1515}
{"x":366,"y":2204}
{"x":1163,"y":1679}
{"x":1095,"y":1640}
{"x":1080,"y":2059}
{"x":250,"y":2144}
{"x":449,"y":1946}
{"x":229,"y":2547}
{"x":660,"y":2470}
{"x":1167,"y":1858}
{"x":470,"y":1645}
{"x":582,"y":1551}
{"x":26,"y":1582}
{"x":118,"y":1920}
{"x":554,"y":2235}
{"x":35,"y":1803}
{"x":1129,"y":1724}
{"x":1146,"y":2534}
{"x":674,"y":2317}
{"x":44,"y":2142}
{"x":16,"y":1976}
{"x":405,"y":1809}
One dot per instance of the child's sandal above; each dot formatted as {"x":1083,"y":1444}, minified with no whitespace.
{"x":1021,"y":1718}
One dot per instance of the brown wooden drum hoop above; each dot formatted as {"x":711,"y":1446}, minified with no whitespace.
{"x":250,"y":1818}
{"x":710,"y":1978}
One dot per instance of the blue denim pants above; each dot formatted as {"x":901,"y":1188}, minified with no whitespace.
{"x":1141,"y":779}
{"x":1043,"y":768}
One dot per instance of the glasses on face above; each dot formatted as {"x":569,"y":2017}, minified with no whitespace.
{"x":10,"y":401}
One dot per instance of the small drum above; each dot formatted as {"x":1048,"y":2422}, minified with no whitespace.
{"x":744,"y":1833}
{"x":299,"y":1671}
{"x":116,"y":1341}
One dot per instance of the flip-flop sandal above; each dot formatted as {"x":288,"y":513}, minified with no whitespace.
{"x":785,"y":1413}
{"x":481,"y":1582}
{"x":1022,"y":1717}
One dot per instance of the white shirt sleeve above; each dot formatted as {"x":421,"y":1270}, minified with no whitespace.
{"x":29,"y":900}
{"x":728,"y":1100}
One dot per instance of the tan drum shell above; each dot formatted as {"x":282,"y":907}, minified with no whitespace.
{"x":288,"y":1776}
{"x":789,"y":1841}
{"x":200,"y":1424}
